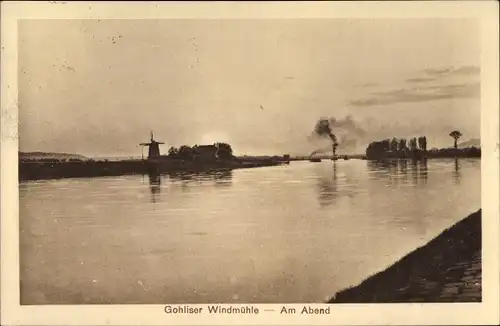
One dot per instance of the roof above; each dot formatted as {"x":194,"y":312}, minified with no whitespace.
{"x":206,"y":147}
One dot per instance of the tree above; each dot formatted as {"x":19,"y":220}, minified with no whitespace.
{"x":394,"y":145}
{"x":413,"y":144}
{"x":185,"y":152}
{"x":386,"y":145}
{"x":378,"y":149}
{"x":173,"y":152}
{"x":402,"y":144}
{"x":455,"y":135}
{"x":422,"y":143}
{"x":224,"y":151}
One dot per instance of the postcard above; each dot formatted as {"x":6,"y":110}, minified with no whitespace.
{"x":250,"y":163}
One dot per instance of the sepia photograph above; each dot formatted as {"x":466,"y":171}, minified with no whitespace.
{"x":212,"y":165}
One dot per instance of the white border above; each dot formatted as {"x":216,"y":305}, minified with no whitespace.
{"x":486,"y":312}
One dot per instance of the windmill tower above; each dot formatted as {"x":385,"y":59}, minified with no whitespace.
{"x":154,"y":148}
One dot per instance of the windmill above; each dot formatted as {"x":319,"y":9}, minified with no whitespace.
{"x":154,"y":148}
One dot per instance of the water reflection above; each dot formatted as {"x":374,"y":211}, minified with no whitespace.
{"x":154,"y":186}
{"x":219,"y":179}
{"x":404,"y":173}
{"x":423,"y":170}
{"x":267,"y":227}
{"x":414,"y":171}
{"x":399,"y":171}
{"x":456,"y":172}
{"x":222,"y":177}
{"x":403,"y":167}
{"x":335,"y":183}
{"x":327,"y":187}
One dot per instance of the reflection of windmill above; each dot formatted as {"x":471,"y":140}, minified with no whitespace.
{"x":154,"y":148}
{"x":154,"y":186}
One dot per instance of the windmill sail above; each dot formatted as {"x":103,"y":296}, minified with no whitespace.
{"x":154,"y":148}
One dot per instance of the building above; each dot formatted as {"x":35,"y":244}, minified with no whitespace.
{"x":205,"y":153}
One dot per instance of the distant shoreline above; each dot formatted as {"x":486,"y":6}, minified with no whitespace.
{"x":446,"y":269}
{"x":73,"y":168}
{"x":469,"y":152}
{"x":60,"y":168}
{"x":384,"y":158}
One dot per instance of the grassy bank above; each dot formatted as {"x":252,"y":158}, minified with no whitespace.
{"x":447,"y":269}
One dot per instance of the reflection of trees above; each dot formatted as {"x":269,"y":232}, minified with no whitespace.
{"x":223,"y":178}
{"x":410,"y":174}
{"x":414,"y":171}
{"x":456,"y":172}
{"x":154,"y":185}
{"x":383,"y":168}
{"x":423,"y":170}
{"x":220,"y":178}
{"x":411,"y":170}
{"x":383,"y":165}
{"x":403,"y":167}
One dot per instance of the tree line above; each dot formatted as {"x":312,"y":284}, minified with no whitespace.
{"x":222,"y":151}
{"x":395,"y":145}
{"x":417,"y":146}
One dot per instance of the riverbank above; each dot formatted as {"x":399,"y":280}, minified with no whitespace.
{"x":447,"y":269}
{"x":36,"y":170}
{"x":374,"y":153}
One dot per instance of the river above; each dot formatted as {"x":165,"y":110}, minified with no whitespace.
{"x":292,"y":233}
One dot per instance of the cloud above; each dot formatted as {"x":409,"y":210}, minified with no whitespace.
{"x":420,"y":80}
{"x":412,"y":94}
{"x":367,"y":85}
{"x":453,"y":71}
{"x":438,"y":72}
{"x":431,"y":75}
{"x":421,"y":94}
{"x":467,"y":70}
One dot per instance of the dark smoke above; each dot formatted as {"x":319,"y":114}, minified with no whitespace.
{"x":328,"y":127}
{"x":323,"y":129}
{"x":348,"y":125}
{"x":346,"y":142}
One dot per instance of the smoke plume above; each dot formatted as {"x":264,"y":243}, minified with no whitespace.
{"x":323,"y":129}
{"x":347,"y":125}
{"x":331,"y":128}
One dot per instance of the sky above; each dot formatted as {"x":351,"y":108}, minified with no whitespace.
{"x":97,"y":87}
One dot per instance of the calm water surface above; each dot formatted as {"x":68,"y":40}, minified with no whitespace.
{"x":295,"y":233}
